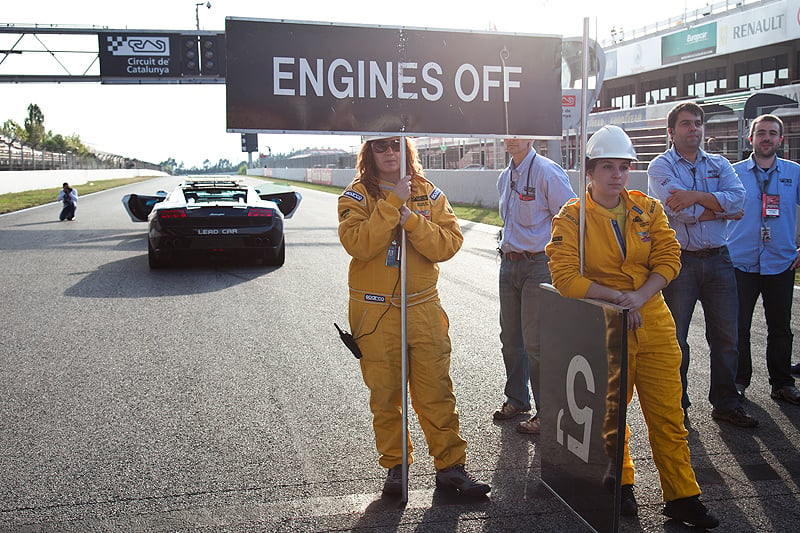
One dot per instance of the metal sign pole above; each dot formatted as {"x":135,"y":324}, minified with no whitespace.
{"x":582,"y":162}
{"x":404,"y":333}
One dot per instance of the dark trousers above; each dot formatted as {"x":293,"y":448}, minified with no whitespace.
{"x":68,"y":212}
{"x":776,"y":292}
{"x":711,"y":280}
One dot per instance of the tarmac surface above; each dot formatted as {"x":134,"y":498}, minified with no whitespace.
{"x":218,"y":397}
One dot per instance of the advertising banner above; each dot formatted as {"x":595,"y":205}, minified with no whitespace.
{"x":321,"y":78}
{"x":689,"y":44}
{"x":736,"y":30}
{"x":764,"y":26}
{"x":323,"y":176}
{"x":584,"y":347}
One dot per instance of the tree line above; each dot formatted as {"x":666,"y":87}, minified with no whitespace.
{"x":33,"y":133}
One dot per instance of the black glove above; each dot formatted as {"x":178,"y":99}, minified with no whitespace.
{"x":349,"y":341}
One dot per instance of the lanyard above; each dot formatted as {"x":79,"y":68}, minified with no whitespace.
{"x":763,"y":184}
{"x":527,"y":189}
{"x":770,"y":204}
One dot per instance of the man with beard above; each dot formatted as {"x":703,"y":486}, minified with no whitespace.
{"x":765,"y":256}
{"x":700,"y":193}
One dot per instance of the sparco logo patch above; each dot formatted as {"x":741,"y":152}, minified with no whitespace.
{"x":354,"y":195}
{"x":435,"y":194}
{"x":374,"y":298}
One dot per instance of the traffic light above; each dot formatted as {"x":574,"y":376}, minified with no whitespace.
{"x":190,"y":61}
{"x":212,"y":55}
{"x":249,"y":142}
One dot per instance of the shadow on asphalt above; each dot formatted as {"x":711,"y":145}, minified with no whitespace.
{"x":132,"y":278}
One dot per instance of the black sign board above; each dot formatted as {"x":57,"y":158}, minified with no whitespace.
{"x":321,"y":78}
{"x":249,"y":142}
{"x":131,"y":56}
{"x":583,"y":425}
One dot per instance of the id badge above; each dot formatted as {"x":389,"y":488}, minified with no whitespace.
{"x":771,"y":205}
{"x":766,"y":233}
{"x":393,"y":255}
{"x":529,"y":195}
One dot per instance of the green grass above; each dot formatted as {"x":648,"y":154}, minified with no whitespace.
{"x":478,"y":214}
{"x":14,"y":201}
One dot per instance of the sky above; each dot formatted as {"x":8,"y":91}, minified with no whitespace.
{"x":187,"y":122}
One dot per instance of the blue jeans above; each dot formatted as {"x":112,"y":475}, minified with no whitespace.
{"x":711,"y":280}
{"x":776,"y":293}
{"x":519,"y":326}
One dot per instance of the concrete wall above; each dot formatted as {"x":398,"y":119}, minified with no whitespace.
{"x":477,"y":187}
{"x":29,"y":180}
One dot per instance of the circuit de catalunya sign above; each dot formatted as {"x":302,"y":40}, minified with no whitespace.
{"x":321,"y":78}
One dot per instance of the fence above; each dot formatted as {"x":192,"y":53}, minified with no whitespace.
{"x":15,"y":155}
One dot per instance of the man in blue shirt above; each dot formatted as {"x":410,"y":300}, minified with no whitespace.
{"x":764,"y":253}
{"x":69,"y":197}
{"x":700,"y":192}
{"x":532,"y":190}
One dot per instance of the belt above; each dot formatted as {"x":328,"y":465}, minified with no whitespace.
{"x":705,"y":252}
{"x":423,"y":296}
{"x":516,"y":256}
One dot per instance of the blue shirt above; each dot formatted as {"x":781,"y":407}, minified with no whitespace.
{"x":709,"y":173}
{"x":748,"y":250}
{"x":530,"y":196}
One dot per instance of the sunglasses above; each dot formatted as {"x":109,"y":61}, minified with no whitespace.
{"x":381,"y":146}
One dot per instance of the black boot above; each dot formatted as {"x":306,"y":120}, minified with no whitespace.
{"x":691,"y":511}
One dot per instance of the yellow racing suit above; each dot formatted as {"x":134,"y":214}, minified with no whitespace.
{"x":654,"y":357}
{"x":369,"y":230}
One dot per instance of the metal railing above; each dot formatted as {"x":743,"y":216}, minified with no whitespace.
{"x":20,"y":156}
{"x":621,"y":35}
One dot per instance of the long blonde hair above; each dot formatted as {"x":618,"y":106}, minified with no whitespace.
{"x":367,"y":170}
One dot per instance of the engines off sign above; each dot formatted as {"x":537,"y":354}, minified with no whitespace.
{"x":314,"y":77}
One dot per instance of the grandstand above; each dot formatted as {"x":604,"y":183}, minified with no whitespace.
{"x":736,"y":58}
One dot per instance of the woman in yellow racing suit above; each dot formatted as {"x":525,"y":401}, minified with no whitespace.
{"x":630,"y":254}
{"x":372,"y":211}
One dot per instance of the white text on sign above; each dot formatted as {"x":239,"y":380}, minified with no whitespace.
{"x":369,"y":79}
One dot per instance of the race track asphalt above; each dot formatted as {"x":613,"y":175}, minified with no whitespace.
{"x":218,"y":397}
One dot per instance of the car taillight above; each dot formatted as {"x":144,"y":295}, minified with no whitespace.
{"x":172,"y":213}
{"x":259,"y":212}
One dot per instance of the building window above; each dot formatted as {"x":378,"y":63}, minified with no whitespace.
{"x":706,"y":83}
{"x":659,"y":90}
{"x":623,"y":97}
{"x":760,"y":73}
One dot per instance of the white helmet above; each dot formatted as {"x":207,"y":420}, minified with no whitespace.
{"x":610,"y":142}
